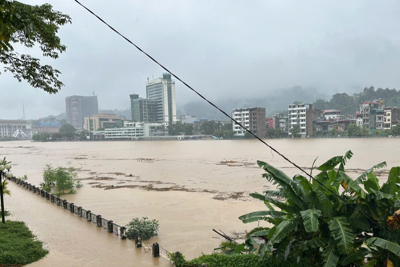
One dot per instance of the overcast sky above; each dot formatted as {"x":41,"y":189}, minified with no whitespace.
{"x":222,"y":48}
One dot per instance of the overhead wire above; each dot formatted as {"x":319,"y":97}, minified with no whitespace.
{"x":226,"y":114}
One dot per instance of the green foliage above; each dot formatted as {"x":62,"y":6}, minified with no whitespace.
{"x":31,"y":25}
{"x":82,"y":136}
{"x":275,"y":133}
{"x":295,"y":130}
{"x":395,"y":130}
{"x":67,"y":129}
{"x":41,"y":137}
{"x":235,"y":260}
{"x":354,"y":130}
{"x":350,"y":104}
{"x":6,"y":213}
{"x":18,"y":245}
{"x":143,"y":228}
{"x":179,"y":128}
{"x":60,"y":180}
{"x":248,"y":135}
{"x":340,"y":227}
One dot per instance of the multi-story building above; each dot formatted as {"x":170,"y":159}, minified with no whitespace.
{"x":143,"y":110}
{"x":301,"y":115}
{"x":376,"y":119}
{"x":359,"y":119}
{"x":284,"y":124}
{"x":136,"y":130}
{"x":79,"y":107}
{"x":391,"y":117}
{"x":162,"y":91}
{"x":331,"y":114}
{"x":20,"y":129}
{"x":46,"y":127}
{"x":102,"y":121}
{"x":365,"y":112}
{"x":188,"y":119}
{"x":253,"y":119}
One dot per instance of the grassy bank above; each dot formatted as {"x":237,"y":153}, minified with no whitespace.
{"x":18,"y":245}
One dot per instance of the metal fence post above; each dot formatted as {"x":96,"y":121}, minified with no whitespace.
{"x":98,"y":220}
{"x":89,"y":215}
{"x":110,"y":226}
{"x":71,"y":207}
{"x":156,"y":250}
{"x":123,"y":232}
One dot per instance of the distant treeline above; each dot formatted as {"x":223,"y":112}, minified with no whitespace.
{"x":349,"y":104}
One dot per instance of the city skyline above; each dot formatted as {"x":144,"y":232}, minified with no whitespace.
{"x":334,"y":47}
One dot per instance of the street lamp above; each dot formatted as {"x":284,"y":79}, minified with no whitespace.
{"x":4,"y":174}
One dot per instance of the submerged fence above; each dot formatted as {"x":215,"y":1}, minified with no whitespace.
{"x":88,"y":215}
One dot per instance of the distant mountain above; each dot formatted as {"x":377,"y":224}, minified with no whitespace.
{"x":277,"y":101}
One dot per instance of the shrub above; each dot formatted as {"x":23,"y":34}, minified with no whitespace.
{"x":60,"y":180}
{"x":339,"y":227}
{"x":237,"y":260}
{"x":143,"y":228}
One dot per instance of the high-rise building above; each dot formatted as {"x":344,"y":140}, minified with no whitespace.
{"x":253,"y":119}
{"x":162,"y":91}
{"x":143,"y":110}
{"x":79,"y":107}
{"x":301,"y":115}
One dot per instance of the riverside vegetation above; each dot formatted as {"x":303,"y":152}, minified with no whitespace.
{"x":18,"y":245}
{"x":60,"y":180}
{"x":331,"y":220}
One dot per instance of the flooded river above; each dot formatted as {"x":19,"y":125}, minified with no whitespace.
{"x":191,"y":187}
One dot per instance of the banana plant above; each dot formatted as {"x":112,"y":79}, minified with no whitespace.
{"x":338,"y":220}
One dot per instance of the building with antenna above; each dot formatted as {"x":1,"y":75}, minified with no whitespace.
{"x":159,"y":106}
{"x":79,"y":107}
{"x":162,"y":92}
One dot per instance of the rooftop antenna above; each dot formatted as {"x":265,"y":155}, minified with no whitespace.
{"x":94,"y":93}
{"x":23,"y":111}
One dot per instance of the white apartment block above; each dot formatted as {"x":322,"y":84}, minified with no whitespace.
{"x":136,"y":130}
{"x":253,"y":119}
{"x":243,"y":117}
{"x":301,"y":115}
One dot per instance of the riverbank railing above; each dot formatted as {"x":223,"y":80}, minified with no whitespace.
{"x":108,"y":225}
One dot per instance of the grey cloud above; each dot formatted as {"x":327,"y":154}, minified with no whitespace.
{"x":228,"y":49}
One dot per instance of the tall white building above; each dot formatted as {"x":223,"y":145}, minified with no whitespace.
{"x":162,"y":90}
{"x":301,"y":116}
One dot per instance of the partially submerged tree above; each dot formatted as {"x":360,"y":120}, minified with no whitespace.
{"x":31,"y":25}
{"x":60,"y":180}
{"x":357,"y":225}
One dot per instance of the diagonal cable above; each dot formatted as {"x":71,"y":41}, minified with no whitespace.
{"x":227,"y":115}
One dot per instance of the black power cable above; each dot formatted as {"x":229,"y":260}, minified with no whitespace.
{"x":226,"y":114}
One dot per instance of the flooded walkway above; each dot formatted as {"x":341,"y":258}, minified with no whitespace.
{"x":71,"y":240}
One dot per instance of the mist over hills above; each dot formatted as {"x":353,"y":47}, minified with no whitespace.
{"x":275,"y":101}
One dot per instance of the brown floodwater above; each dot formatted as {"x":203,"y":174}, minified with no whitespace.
{"x":191,"y":187}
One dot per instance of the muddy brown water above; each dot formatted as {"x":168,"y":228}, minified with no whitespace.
{"x":191,"y":187}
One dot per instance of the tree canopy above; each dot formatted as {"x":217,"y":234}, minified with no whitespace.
{"x":349,"y":104}
{"x":31,"y":25}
